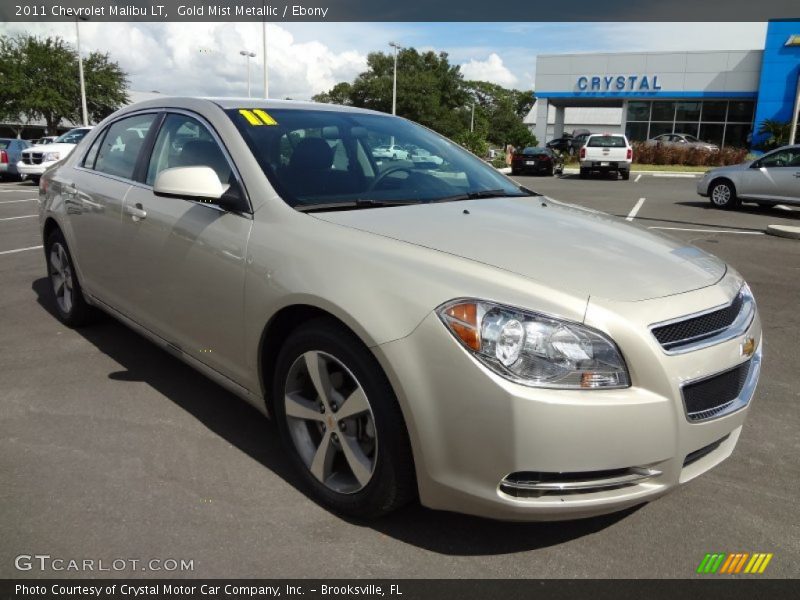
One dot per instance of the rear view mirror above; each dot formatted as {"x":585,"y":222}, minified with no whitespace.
{"x":196,"y":183}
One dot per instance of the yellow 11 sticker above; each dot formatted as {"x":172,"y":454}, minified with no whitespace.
{"x":256,"y":116}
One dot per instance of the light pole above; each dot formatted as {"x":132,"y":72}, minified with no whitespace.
{"x":248,"y":55}
{"x":264,"y":43}
{"x":396,"y":47}
{"x":472,"y":119}
{"x":84,"y":111}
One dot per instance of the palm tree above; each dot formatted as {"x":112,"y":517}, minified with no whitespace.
{"x":777,"y":132}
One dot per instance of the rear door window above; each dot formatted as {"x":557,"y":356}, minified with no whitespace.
{"x":119,"y":151}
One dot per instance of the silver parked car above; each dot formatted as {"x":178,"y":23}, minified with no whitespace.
{"x":682,"y":140}
{"x":771,"y":179}
{"x":436,"y":331}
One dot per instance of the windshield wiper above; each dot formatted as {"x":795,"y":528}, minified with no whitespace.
{"x":480,"y":194}
{"x":352,"y":205}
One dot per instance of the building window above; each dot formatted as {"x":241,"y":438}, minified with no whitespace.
{"x":721,"y":122}
{"x":715,"y":111}
{"x":638,"y":111}
{"x":636,"y":132}
{"x":712,"y":133}
{"x":736,"y":135}
{"x":663,"y":111}
{"x":740,"y":112}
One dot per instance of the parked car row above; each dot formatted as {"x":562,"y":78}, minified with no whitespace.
{"x":35,"y":160}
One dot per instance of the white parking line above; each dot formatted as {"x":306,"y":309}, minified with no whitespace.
{"x":686,"y":175}
{"x":22,"y":217}
{"x":709,"y":230}
{"x":21,"y":249}
{"x":638,"y":177}
{"x":635,"y":210}
{"x":14,"y":201}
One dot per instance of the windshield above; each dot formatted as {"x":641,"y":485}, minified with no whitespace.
{"x":321,"y":158}
{"x":73,"y":136}
{"x":532,"y":150}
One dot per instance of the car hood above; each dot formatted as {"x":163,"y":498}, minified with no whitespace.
{"x":561,"y":246}
{"x":63,"y":149}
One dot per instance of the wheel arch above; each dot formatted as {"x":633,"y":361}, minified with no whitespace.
{"x":278,"y":329}
{"x":721,"y":179}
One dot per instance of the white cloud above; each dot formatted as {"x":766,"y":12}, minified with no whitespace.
{"x":492,"y":69}
{"x":203,"y":58}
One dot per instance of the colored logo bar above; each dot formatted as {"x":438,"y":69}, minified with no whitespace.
{"x":734,"y":563}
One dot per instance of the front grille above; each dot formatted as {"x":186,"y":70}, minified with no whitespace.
{"x":32,"y":158}
{"x":696,"y":329}
{"x":707,"y":398}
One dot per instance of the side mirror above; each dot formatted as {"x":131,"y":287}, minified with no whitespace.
{"x":199,"y":183}
{"x":756,"y":164}
{"x":195,"y":183}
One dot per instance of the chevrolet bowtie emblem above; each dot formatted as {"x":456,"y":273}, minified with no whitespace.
{"x":748,"y":346}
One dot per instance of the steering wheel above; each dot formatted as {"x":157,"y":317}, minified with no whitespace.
{"x":379,"y":179}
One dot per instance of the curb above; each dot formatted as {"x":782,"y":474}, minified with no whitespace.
{"x":784,"y":231}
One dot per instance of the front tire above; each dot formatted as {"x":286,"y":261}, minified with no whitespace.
{"x":340,"y":422}
{"x":71,"y":308}
{"x":723,"y":195}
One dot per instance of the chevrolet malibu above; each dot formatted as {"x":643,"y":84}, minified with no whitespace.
{"x":434,"y":331}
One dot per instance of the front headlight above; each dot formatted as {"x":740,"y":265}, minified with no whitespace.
{"x":534,"y":349}
{"x":49,"y":156}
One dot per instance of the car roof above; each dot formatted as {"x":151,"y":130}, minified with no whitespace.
{"x":232,"y":103}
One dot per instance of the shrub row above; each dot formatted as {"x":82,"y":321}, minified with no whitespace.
{"x":653,"y":154}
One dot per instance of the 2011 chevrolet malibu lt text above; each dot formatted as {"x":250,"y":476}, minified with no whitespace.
{"x":424,"y":329}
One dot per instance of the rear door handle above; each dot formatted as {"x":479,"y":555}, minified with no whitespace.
{"x":136,"y":212}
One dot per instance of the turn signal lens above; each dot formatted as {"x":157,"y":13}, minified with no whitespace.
{"x":463,"y":321}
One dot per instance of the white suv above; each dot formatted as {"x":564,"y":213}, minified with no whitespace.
{"x":606,"y":152}
{"x":36,"y":159}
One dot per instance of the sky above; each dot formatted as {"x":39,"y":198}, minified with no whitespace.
{"x":307,"y":58}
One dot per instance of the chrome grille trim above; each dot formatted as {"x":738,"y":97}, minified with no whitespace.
{"x":740,"y":324}
{"x":727,"y":406}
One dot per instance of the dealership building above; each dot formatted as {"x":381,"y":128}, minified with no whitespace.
{"x":721,"y":97}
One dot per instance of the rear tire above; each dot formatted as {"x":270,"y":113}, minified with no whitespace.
{"x":625,"y":174}
{"x":71,"y":308}
{"x":583,"y":173}
{"x":723,"y":195}
{"x":357,"y":464}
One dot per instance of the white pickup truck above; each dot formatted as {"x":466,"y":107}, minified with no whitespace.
{"x":606,"y":152}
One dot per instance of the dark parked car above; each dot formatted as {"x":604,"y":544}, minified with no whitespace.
{"x":536,"y":160}
{"x":10,"y":153}
{"x":562,"y":144}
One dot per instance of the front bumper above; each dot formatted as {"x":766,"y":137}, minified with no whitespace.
{"x":34,"y":170}
{"x":702,"y":185}
{"x":472,"y":429}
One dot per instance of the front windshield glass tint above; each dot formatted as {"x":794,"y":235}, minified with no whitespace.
{"x":72,"y":137}
{"x":320,"y":157}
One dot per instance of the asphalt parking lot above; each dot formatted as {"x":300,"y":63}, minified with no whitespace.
{"x":110,"y":448}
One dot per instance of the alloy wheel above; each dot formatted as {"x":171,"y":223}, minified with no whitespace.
{"x":721,"y":194}
{"x":61,"y":277}
{"x":330,"y":422}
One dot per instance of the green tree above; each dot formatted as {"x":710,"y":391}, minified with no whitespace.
{"x":777,"y":133}
{"x":40,"y":80}
{"x":473,"y":141}
{"x":502,"y":111}
{"x":429,"y":89}
{"x":338,"y":94}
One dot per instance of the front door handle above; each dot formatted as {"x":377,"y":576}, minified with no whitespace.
{"x":136,"y":212}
